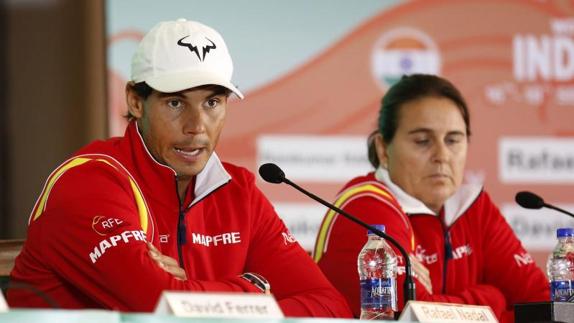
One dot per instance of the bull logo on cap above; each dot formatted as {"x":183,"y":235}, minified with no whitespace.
{"x":193,"y":48}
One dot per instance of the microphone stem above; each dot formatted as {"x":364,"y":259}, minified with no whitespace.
{"x":409,"y":285}
{"x":28,"y":287}
{"x":558,"y":209}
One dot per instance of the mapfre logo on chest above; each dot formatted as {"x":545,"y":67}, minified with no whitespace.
{"x":216,"y":240}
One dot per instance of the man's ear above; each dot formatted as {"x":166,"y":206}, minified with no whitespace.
{"x":134,"y":101}
{"x":382,"y":151}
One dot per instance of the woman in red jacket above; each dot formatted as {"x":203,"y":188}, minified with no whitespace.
{"x":419,"y":152}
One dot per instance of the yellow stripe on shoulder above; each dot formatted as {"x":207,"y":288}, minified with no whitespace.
{"x":52,"y":180}
{"x":74,"y":162}
{"x":142,"y":208}
{"x":342,"y":199}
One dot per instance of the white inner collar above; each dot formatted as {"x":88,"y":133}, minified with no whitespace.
{"x":454,"y":206}
{"x":409,"y":204}
{"x":210,"y":178}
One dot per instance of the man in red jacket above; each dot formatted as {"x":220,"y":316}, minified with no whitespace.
{"x":126,"y":218}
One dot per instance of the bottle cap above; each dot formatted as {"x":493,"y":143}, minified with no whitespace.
{"x":380,"y":227}
{"x":565,"y":232}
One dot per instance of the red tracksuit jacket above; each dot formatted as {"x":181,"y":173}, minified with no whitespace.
{"x":469,"y":249}
{"x":85,"y":246}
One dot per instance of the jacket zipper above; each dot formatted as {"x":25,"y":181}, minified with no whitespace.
{"x":447,"y":256}
{"x":181,"y":229}
{"x":181,"y":226}
{"x":448,"y":243}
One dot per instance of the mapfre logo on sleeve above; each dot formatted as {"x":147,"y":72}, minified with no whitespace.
{"x":128,"y":236}
{"x":104,"y":225}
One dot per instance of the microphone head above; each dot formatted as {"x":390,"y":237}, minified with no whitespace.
{"x":271,"y":173}
{"x":529,"y":200}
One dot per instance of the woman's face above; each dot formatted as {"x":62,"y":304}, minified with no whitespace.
{"x":427,"y":154}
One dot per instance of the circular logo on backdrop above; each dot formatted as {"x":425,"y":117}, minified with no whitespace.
{"x":403,"y":51}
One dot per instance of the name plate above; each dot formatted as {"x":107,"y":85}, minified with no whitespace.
{"x":417,"y":311}
{"x":3,"y":304}
{"x":220,"y":305}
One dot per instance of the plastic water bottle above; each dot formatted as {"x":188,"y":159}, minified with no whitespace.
{"x":560,"y":267}
{"x":377,"y":264}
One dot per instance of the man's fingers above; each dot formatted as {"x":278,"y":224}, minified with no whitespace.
{"x":169,"y":261}
{"x":168,"y":264}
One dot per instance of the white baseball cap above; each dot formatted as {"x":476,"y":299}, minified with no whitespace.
{"x":178,"y":55}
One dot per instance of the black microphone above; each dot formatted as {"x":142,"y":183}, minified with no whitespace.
{"x":530,"y":200}
{"x":540,"y":311}
{"x":273,"y":174}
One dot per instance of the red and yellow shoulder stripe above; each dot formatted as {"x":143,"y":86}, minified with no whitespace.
{"x":365,"y":189}
{"x":42,"y":201}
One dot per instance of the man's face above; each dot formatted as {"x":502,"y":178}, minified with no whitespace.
{"x":427,"y":155}
{"x":181,"y":129}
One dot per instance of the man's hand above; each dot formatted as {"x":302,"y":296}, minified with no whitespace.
{"x":166,"y":263}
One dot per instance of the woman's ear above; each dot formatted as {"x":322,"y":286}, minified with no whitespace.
{"x":134,"y":101}
{"x":382,"y":151}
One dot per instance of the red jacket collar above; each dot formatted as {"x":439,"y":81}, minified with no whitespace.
{"x":152,"y":175}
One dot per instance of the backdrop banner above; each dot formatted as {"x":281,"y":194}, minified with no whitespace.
{"x":317,"y":90}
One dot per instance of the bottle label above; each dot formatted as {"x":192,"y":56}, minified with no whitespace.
{"x":379,"y":293}
{"x":561,"y":290}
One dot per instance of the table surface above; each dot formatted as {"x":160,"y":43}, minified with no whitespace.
{"x":98,"y":316}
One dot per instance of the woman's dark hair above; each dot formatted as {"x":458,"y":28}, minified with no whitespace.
{"x":411,"y":88}
{"x":143,"y":91}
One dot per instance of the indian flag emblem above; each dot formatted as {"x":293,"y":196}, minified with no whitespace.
{"x":403,"y":51}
